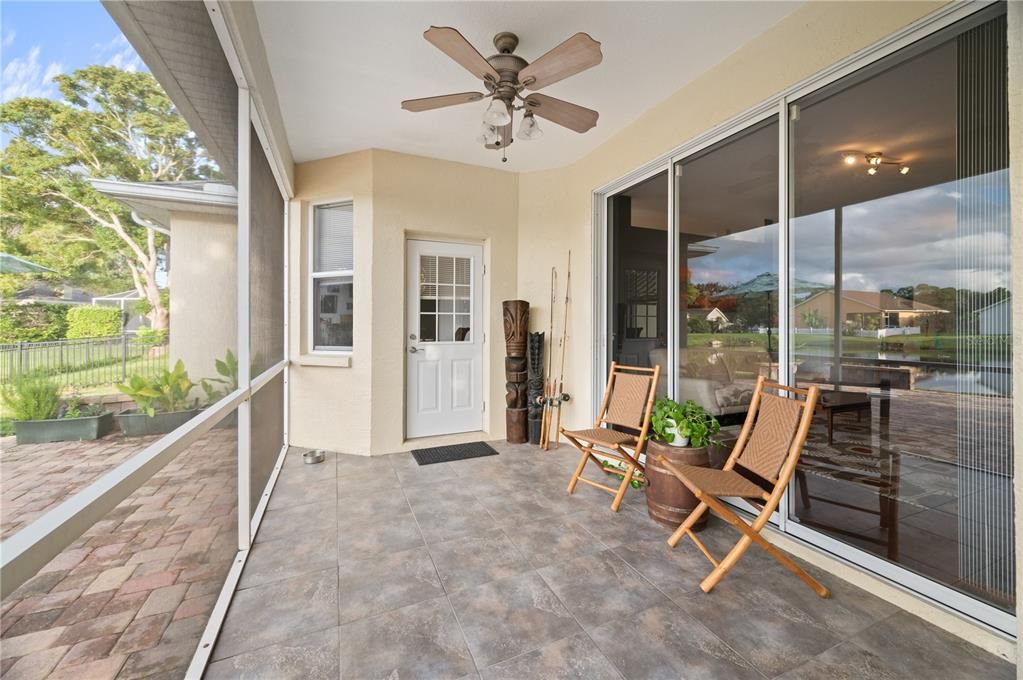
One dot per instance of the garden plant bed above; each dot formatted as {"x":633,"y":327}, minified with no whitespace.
{"x":84,"y":428}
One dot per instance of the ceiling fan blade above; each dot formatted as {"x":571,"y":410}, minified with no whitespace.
{"x":506,"y":138}
{"x":452,"y":43}
{"x":572,"y":116}
{"x":575,"y":55}
{"x":429,"y":103}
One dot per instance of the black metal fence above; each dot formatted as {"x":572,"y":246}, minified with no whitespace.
{"x":85,"y":362}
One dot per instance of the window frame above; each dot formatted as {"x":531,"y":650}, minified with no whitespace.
{"x":346,"y":275}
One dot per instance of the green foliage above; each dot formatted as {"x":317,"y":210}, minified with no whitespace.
{"x":31,"y":396}
{"x":813,"y":319}
{"x":218,"y":388}
{"x":167,"y":392}
{"x":35,"y":322}
{"x":691,"y":418}
{"x":74,"y":407}
{"x":144,"y":306}
{"x":153,"y":338}
{"x":698,"y":325}
{"x":94,"y":322}
{"x":107,"y":123}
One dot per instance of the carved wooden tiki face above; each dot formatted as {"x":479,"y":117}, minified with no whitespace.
{"x":516,"y":326}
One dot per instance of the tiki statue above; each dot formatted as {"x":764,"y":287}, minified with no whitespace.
{"x":516,"y":328}
{"x":534,"y":386}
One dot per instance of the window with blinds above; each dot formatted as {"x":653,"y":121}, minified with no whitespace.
{"x":332,"y":270}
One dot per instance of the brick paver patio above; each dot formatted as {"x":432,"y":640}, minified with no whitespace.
{"x":131,"y":597}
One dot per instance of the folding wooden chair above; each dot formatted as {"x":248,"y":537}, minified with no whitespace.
{"x":628,"y":402}
{"x":768,"y":446}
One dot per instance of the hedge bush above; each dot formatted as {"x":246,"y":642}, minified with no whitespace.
{"x":34,"y":322}
{"x":94,"y":322}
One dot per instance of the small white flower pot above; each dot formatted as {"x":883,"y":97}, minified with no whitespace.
{"x":679,"y":440}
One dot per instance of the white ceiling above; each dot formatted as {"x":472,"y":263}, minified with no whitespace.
{"x":342,"y":68}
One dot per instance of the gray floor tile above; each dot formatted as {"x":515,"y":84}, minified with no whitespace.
{"x":474,"y":560}
{"x":384,"y":582}
{"x":356,"y":466}
{"x":286,"y":557}
{"x":917,"y":649}
{"x":298,"y":519}
{"x":311,"y":657}
{"x":574,"y":658}
{"x":505,"y":618}
{"x":371,"y":505}
{"x":419,"y":641}
{"x":675,"y":571}
{"x":446,"y":521}
{"x":359,"y":540}
{"x":279,"y":611}
{"x":314,"y":491}
{"x":554,"y":540}
{"x":600,"y":587}
{"x":664,"y":643}
{"x":773,"y":634}
{"x":627,"y":526}
{"x":845,"y":661}
{"x":358,"y":484}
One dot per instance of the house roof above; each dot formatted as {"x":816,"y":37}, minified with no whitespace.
{"x":881,"y":301}
{"x":155,"y":201}
{"x":704,"y":313}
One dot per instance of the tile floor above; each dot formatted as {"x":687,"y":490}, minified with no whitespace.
{"x":379,"y":568}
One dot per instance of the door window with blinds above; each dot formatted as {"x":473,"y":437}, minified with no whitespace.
{"x":332,"y":269}
{"x":445,"y":299}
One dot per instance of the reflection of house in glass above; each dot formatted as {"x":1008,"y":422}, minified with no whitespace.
{"x":864,"y":309}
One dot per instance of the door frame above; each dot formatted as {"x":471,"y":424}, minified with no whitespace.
{"x":484,"y":325}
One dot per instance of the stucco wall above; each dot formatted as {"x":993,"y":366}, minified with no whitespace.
{"x":203,"y":259}
{"x":330,"y":397}
{"x":356,"y":404}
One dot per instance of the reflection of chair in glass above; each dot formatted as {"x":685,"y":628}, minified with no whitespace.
{"x":768,"y":447}
{"x":719,"y":380}
{"x":627,"y":404}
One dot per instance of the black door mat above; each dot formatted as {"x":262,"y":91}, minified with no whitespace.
{"x":444,"y":454}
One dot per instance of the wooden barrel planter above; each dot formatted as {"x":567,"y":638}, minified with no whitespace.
{"x":668,"y":501}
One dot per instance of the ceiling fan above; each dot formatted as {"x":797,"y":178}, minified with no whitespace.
{"x":506,"y":75}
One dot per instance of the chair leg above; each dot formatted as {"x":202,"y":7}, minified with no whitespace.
{"x":750,"y":534}
{"x":683,"y":528}
{"x":578,"y":472}
{"x":626,"y":480}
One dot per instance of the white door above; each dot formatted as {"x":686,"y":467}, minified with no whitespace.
{"x":444,"y":343}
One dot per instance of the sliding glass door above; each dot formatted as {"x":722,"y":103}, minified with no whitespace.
{"x":885,"y":281}
{"x":900,"y":311}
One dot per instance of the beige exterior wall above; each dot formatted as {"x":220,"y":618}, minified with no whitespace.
{"x":203,"y":259}
{"x":356,"y":403}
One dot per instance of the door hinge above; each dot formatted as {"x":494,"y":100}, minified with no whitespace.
{"x":484,"y":407}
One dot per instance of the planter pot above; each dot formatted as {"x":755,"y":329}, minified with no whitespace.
{"x":63,"y":429}
{"x":136,"y":424}
{"x":668,"y":501}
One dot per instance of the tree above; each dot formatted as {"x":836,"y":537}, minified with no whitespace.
{"x":111,"y":124}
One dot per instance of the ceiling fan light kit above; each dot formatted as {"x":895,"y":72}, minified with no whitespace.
{"x":505,"y":76}
{"x":874,"y":161}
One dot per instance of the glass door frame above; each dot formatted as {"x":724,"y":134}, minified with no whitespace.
{"x":942,"y":596}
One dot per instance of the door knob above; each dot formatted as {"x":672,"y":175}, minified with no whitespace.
{"x":412,"y":350}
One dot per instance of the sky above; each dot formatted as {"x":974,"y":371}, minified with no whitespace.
{"x":40,"y":40}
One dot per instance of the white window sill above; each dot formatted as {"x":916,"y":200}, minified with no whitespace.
{"x":328,"y":360}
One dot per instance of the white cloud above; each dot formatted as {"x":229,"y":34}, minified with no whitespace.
{"x":119,"y":53}
{"x":8,"y":39}
{"x":27,"y":77}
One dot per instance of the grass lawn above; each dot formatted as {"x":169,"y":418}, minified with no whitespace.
{"x":910,"y":344}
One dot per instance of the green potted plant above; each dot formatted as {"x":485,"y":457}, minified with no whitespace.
{"x":40,"y":416}
{"x":681,"y":435}
{"x":163,"y":403}
{"x":218,"y":388}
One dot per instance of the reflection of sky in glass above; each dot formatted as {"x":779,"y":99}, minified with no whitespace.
{"x":913,"y":238}
{"x":739,"y":257}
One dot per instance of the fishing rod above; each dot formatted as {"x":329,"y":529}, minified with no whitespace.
{"x":549,"y":361}
{"x":560,"y":396}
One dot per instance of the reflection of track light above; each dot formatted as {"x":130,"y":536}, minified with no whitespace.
{"x":849,"y":158}
{"x":904,"y":169}
{"x":872,"y":170}
{"x":874,"y":158}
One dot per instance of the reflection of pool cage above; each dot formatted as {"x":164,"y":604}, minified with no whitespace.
{"x":127,"y":302}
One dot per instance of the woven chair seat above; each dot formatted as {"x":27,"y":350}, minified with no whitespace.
{"x":720,"y":482}
{"x":601,"y":435}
